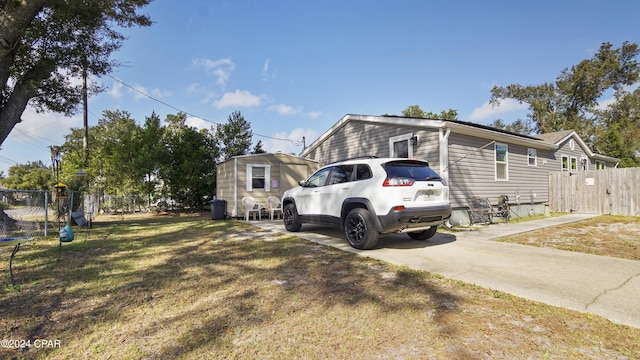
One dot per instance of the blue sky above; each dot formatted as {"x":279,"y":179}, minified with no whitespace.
{"x":294,"y":68}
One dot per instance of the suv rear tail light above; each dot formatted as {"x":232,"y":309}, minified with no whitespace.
{"x":398,"y":181}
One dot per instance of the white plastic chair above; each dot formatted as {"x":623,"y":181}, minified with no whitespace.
{"x":251,"y":205}
{"x":275,"y":205}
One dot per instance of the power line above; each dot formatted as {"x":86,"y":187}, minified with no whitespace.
{"x":33,"y":137}
{"x":6,"y":160}
{"x":29,"y":139}
{"x":296,"y":143}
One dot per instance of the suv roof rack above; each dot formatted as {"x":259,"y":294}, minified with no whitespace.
{"x":354,"y":158}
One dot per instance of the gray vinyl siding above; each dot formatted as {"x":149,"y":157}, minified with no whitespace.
{"x":359,"y":138}
{"x":428,"y":148}
{"x":352,"y":140}
{"x":577,"y":152}
{"x":472,"y":172}
{"x":471,"y":169}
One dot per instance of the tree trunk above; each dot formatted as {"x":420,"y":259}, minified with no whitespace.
{"x":15,"y":18}
{"x":13,"y":108}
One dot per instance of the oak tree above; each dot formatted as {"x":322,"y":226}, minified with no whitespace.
{"x":46,"y":44}
{"x":573,"y":101}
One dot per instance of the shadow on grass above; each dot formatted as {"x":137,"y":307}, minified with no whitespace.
{"x":195,"y":280}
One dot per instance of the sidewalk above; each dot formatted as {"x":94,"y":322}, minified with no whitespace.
{"x":600,"y":285}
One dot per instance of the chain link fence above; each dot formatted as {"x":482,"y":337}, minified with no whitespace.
{"x":33,"y":213}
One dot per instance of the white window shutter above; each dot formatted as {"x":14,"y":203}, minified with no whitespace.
{"x":249,"y":177}
{"x":267,"y":178}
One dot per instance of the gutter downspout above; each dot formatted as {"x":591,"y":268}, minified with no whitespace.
{"x":235,"y":187}
{"x":443,"y":141}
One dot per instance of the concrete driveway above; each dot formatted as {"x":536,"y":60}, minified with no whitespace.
{"x":600,"y":285}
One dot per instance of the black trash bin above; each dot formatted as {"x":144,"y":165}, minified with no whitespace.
{"x":218,"y":209}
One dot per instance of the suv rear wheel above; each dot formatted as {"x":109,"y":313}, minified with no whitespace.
{"x":291,"y":221}
{"x":359,"y":229}
{"x":424,"y":235}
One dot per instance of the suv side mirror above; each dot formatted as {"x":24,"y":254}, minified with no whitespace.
{"x":302,"y":183}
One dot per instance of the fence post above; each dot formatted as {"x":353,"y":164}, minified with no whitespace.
{"x":46,"y":213}
{"x":70,"y":209}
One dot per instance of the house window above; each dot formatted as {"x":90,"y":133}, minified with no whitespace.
{"x":565,"y":163}
{"x":401,"y":146}
{"x":502,"y":164}
{"x":599,"y":165}
{"x":532,"y":156}
{"x":363,"y":172}
{"x":574,"y":164}
{"x":584,"y":163}
{"x":258,"y":177}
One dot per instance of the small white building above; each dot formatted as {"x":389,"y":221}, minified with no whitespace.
{"x":259,"y":176}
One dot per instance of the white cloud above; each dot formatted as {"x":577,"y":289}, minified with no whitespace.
{"x":198,"y":89}
{"x":221,"y":69}
{"x":488,"y":111}
{"x":314,"y":114}
{"x":141,"y":92}
{"x":30,"y":139}
{"x":238,"y":98}
{"x":208,"y":97}
{"x":40,"y":124}
{"x":157,"y":93}
{"x":293,"y":142}
{"x":283,"y":109}
{"x":604,"y":104}
{"x":195,"y":88}
{"x":197,"y":122}
{"x":610,"y":99}
{"x":265,"y":70}
{"x":115,"y":91}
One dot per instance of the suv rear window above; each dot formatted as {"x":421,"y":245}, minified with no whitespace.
{"x":416,"y":170}
{"x":363,"y":171}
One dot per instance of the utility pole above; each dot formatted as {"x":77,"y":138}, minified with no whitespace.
{"x":85,"y":116}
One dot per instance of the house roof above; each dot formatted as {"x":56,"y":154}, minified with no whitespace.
{"x":560,"y":137}
{"x":276,"y":155}
{"x":555,"y":137}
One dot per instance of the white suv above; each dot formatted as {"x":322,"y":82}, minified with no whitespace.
{"x":369,"y":197}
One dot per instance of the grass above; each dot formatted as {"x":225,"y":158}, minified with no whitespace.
{"x":607,"y":235}
{"x":184,"y":286}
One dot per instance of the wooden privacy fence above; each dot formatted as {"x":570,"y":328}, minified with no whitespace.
{"x":608,"y":191}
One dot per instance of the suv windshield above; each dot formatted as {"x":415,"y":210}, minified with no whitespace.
{"x":416,"y":170}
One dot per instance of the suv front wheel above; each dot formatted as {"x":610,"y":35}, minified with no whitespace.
{"x":359,"y":229}
{"x":290,"y":217}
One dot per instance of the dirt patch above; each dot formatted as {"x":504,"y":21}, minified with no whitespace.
{"x":616,"y":236}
